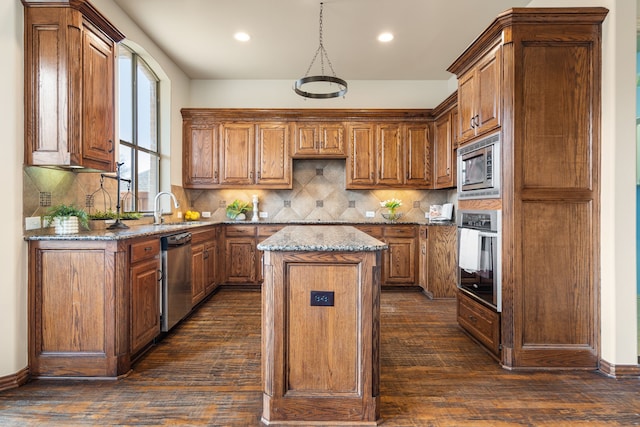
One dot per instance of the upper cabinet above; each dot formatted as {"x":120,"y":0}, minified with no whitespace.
{"x":479,"y":95}
{"x":444,"y":144}
{"x":69,"y":85}
{"x":319,"y":140}
{"x":389,"y":155}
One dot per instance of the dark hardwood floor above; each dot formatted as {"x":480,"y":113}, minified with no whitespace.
{"x":207,"y":372}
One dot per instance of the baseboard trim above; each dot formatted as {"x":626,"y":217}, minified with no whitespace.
{"x":619,"y":371}
{"x":15,"y":380}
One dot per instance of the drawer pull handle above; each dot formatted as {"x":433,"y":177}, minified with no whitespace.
{"x":148,"y":248}
{"x":473,"y":318}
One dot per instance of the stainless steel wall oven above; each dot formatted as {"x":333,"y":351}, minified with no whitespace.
{"x":480,"y":255}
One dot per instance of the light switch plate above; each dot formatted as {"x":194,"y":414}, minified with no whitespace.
{"x":32,"y":223}
{"x":206,"y":214}
{"x":263,"y":214}
{"x":370,"y":214}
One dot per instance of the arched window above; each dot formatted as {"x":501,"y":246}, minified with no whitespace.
{"x":139,"y":150}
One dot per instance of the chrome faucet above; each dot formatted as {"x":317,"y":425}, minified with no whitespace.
{"x":157,"y":212}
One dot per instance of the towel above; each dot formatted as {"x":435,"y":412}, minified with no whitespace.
{"x":470,"y":241}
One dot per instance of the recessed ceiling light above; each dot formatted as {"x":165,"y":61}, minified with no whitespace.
{"x":385,"y":37}
{"x":242,"y":37}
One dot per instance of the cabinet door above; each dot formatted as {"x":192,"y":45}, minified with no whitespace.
{"x":390,"y":155}
{"x":443,"y":153}
{"x":400,"y":261}
{"x":197,"y":273}
{"x":488,"y":92}
{"x":466,"y":107}
{"x":306,"y":139}
{"x":331,"y":140}
{"x":210,"y":266}
{"x":200,"y":155}
{"x":145,"y":303}
{"x":443,"y":261}
{"x":418,"y":156}
{"x":237,"y":153}
{"x":273,"y":161}
{"x":423,"y":258}
{"x":98,"y":145}
{"x":240,"y":260}
{"x":361,"y":170}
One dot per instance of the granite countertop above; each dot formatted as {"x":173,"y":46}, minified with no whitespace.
{"x":143,"y":230}
{"x":321,"y":238}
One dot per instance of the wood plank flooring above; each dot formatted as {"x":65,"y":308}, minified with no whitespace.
{"x":207,"y":373}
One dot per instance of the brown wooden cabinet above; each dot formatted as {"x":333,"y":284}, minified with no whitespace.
{"x":240,"y":254}
{"x":69,"y":86}
{"x":79,"y":308}
{"x":400,"y":259}
{"x":479,"y":91}
{"x":481,"y":322}
{"x":388,"y":155}
{"x":442,"y":265}
{"x":200,"y":154}
{"x":548,"y":65}
{"x":445,"y":160}
{"x":204,"y":264}
{"x":145,"y":292}
{"x":319,"y":140}
{"x":220,"y":153}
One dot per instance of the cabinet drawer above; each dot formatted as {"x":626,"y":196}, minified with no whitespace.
{"x":268,"y":230}
{"x":479,"y":321}
{"x":400,"y":231}
{"x":240,"y":231}
{"x":145,"y":249}
{"x":203,"y":236}
{"x":375,"y":231}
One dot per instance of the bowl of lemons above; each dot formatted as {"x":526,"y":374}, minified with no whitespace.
{"x":192,"y":216}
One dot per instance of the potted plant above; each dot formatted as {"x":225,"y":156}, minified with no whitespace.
{"x":392,"y":204}
{"x":67,"y":218}
{"x":237,"y":210}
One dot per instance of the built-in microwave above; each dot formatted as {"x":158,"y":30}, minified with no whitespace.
{"x":479,"y":169}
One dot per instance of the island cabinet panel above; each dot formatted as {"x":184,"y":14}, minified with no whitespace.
{"x":78,"y":309}
{"x":69,"y":86}
{"x":321,"y":363}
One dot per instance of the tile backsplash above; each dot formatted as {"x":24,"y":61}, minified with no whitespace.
{"x":318,"y":193}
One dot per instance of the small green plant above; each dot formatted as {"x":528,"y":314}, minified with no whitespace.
{"x":65,"y":211}
{"x":237,"y":207}
{"x":109,"y":214}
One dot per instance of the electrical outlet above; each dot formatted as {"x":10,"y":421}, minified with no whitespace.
{"x":264,"y":214}
{"x":322,"y":298}
{"x":206,"y":214}
{"x":426,"y":215}
{"x":370,"y":214}
{"x":32,"y":223}
{"x":179,"y":214}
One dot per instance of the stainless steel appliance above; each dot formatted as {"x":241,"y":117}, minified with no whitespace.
{"x":479,"y":169}
{"x":480,"y":255}
{"x":176,"y":279}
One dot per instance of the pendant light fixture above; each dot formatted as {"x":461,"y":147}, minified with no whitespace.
{"x":322,"y":78}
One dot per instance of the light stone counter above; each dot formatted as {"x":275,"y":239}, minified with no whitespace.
{"x":323,"y":238}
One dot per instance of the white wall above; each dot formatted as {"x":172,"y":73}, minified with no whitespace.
{"x":280,"y":94}
{"x":13,"y":262}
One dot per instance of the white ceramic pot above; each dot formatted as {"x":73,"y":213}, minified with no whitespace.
{"x":241,"y":217}
{"x":69,"y":225}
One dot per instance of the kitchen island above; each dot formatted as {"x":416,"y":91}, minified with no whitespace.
{"x":321,"y":326}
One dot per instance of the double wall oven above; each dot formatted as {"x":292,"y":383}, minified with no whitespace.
{"x":480,"y":255}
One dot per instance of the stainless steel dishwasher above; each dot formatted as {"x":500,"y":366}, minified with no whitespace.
{"x":176,"y":279}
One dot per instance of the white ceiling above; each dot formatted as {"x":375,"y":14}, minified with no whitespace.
{"x":429,"y":35}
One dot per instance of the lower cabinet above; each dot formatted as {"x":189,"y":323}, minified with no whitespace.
{"x":204,"y":265}
{"x":441,"y":261}
{"x":481,"y":322}
{"x":145,"y":292}
{"x":79,"y":308}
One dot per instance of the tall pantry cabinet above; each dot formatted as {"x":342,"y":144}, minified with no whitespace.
{"x":548,"y":64}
